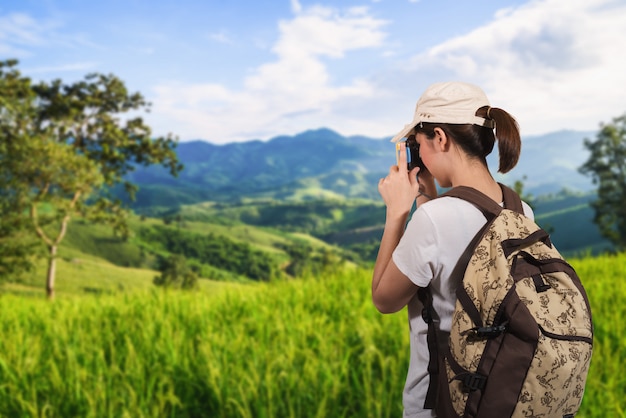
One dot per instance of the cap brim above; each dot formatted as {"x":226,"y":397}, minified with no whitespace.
{"x":404,"y":133}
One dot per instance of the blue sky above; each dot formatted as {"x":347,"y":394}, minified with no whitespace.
{"x":236,"y":70}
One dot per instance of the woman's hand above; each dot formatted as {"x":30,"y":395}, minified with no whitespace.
{"x":400,"y":188}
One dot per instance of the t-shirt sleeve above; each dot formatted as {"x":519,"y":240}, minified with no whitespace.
{"x":416,"y":254}
{"x":528,"y":211}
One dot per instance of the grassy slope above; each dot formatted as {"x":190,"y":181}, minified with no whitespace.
{"x":92,"y":260}
{"x":85,"y":274}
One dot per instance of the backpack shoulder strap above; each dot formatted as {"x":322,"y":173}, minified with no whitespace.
{"x":484,"y":203}
{"x":511,"y":199}
{"x":424,"y":294}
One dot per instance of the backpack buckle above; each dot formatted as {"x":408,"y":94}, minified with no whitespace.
{"x":486,"y":332}
{"x":490,"y":332}
{"x":474,"y":381}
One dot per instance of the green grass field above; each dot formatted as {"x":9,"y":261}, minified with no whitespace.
{"x":308,"y":348}
{"x":604,"y":279}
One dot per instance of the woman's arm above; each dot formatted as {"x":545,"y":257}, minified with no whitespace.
{"x":392,"y":289}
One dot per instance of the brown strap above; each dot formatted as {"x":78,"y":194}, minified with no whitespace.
{"x":514,"y":244}
{"x":511,"y":199}
{"x":428,"y":313}
{"x":484,"y":203}
{"x":459,"y":272}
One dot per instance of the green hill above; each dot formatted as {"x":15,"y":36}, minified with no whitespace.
{"x":221,"y":249}
{"x":264,"y":239}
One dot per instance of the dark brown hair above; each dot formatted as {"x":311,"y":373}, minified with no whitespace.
{"x":478,"y":141}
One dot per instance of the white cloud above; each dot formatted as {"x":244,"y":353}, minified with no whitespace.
{"x":285,"y":96}
{"x":17,"y":31}
{"x":555,"y":64}
{"x":322,"y":31}
{"x":21,"y":35}
{"x":21,"y":28}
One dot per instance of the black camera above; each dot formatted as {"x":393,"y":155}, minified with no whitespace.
{"x":413,"y":154}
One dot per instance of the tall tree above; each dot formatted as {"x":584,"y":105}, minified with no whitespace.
{"x":66,"y":146}
{"x":607,"y":167}
{"x":17,"y":247}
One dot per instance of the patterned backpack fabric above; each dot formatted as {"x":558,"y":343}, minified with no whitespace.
{"x":521,"y":338}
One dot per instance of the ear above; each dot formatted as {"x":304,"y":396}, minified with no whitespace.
{"x":441,"y":140}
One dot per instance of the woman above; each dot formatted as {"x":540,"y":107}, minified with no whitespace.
{"x":454,"y":127}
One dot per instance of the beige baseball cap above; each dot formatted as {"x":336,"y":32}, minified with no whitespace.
{"x":452,"y":102}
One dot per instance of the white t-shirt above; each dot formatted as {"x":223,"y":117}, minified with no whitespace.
{"x":436,"y":236}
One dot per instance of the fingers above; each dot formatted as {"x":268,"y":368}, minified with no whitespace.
{"x":401,"y":157}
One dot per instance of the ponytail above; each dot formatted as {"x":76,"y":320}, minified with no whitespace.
{"x":507,"y":133}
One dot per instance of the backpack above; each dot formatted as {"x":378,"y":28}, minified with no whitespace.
{"x":521,"y":338}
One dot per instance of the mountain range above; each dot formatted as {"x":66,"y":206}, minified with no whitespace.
{"x":324,"y":164}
